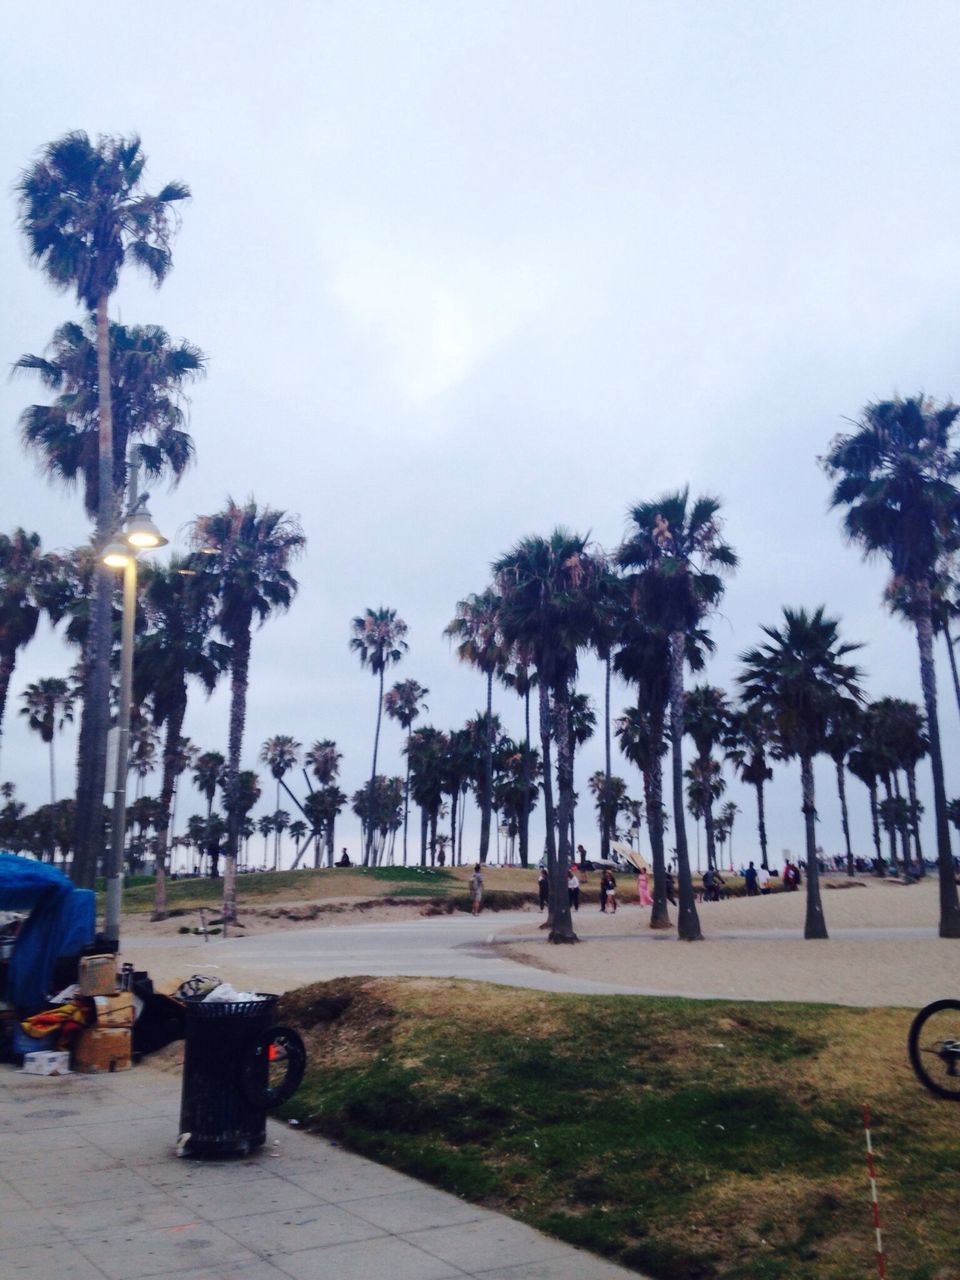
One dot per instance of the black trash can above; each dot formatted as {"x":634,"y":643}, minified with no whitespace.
{"x":230,"y":1075}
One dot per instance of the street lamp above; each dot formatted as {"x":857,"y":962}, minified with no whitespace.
{"x":137,"y":533}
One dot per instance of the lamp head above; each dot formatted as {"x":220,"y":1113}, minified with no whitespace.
{"x":116,"y":554}
{"x":141,"y":532}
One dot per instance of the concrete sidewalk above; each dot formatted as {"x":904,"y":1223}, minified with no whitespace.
{"x":90,"y":1188}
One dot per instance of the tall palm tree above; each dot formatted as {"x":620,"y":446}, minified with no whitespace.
{"x":896,"y":476}
{"x":324,"y":759}
{"x":175,"y":646}
{"x":705,"y":786}
{"x":612,"y":612}
{"x":517,"y":675}
{"x":675,"y":548}
{"x":48,"y":706}
{"x":426,"y":754}
{"x":243,"y":557}
{"x":266,"y":829}
{"x":866,"y":764}
{"x":706,"y":716}
{"x":24,"y":571}
{"x":476,"y":625}
{"x":378,"y":640}
{"x":800,"y":679}
{"x":403,"y":703}
{"x":280,"y":753}
{"x":844,"y":734}
{"x":747,"y":750}
{"x":458,"y":770}
{"x":281,"y":820}
{"x":549,"y":591}
{"x":142,"y":752}
{"x":84,"y":214}
{"x":583,"y":723}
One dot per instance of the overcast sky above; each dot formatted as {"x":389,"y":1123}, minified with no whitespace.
{"x":465,"y":271}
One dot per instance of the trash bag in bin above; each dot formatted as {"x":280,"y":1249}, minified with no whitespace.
{"x":236,"y":1066}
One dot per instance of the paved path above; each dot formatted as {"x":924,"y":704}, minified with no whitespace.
{"x":90,"y":1189}
{"x":436,"y":947}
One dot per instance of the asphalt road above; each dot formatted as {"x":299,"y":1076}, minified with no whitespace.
{"x":439,"y":947}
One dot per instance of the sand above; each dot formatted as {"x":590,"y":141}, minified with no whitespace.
{"x":884,"y":948}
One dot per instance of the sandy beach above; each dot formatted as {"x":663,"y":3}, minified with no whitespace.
{"x":883,"y":949}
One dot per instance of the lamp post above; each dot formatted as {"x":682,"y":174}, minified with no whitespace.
{"x":137,"y":533}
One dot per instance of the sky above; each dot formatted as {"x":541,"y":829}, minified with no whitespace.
{"x":467,"y":271}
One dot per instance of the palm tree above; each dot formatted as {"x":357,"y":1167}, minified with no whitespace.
{"x":612,"y":612}
{"x":747,"y":750}
{"x":610,"y":796}
{"x":426,"y":754}
{"x":298,"y":832}
{"x":403,"y":703}
{"x":865,"y":763}
{"x":324,"y":761}
{"x":643,"y":659}
{"x":583,"y":723}
{"x":281,"y":820}
{"x":517,"y":675}
{"x":209,"y":772}
{"x":895,"y":475}
{"x":48,"y":706}
{"x":800,"y":680}
{"x":243,"y":554}
{"x":84,"y":214}
{"x":24,"y":571}
{"x":678,"y":554}
{"x":280,"y":754}
{"x":458,"y":770}
{"x":175,"y":647}
{"x":549,"y":592}
{"x":706,"y":717}
{"x":846,"y":728}
{"x":728,"y":816}
{"x":266,"y":829}
{"x":378,"y":641}
{"x":142,"y":748}
{"x":705,"y":785}
{"x":477,"y":627}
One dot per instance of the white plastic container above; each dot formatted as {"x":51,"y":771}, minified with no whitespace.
{"x":47,"y":1063}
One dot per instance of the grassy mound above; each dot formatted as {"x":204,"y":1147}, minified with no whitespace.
{"x":686,"y":1139}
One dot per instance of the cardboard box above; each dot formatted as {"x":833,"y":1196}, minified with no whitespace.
{"x":47,"y":1064}
{"x":115,"y":1011}
{"x":98,"y":975}
{"x":102,"y":1049}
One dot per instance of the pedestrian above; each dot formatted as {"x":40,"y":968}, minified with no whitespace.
{"x":573,"y":888}
{"x":476,"y":890}
{"x":750,"y":879}
{"x":543,"y":888}
{"x":603,"y":891}
{"x":643,"y":890}
{"x":611,"y":885}
{"x":669,"y":889}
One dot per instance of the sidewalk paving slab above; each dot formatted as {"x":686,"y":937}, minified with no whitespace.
{"x":91,"y":1189}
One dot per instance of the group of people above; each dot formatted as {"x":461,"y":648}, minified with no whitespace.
{"x":608,"y":889}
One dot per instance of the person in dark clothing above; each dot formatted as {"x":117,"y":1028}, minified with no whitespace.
{"x":750,"y":880}
{"x":543,"y":888}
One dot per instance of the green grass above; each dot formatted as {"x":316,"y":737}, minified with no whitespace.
{"x":684,"y":1139}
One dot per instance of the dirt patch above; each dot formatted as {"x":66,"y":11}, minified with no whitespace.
{"x":342,"y":1022}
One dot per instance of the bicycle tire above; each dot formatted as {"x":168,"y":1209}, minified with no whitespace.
{"x":290,"y":1049}
{"x":946,"y":1051}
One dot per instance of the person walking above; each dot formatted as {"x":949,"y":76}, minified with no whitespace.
{"x":750,"y":878}
{"x":573,"y":888}
{"x":543,"y":888}
{"x":669,"y":888}
{"x":609,"y":880}
{"x":603,"y":891}
{"x":476,"y":890}
{"x":644,"y":895}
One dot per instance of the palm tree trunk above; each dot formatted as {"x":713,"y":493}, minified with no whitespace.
{"x":762,"y":827}
{"x":406,"y":797}
{"x":904,"y":828}
{"x":604,"y":812}
{"x":171,"y":745}
{"x":891,"y":829}
{"x":815,"y":926}
{"x":454,"y":796}
{"x":330,"y":826}
{"x":562,"y":927}
{"x":239,"y":676}
{"x":953,"y":661}
{"x":7,"y":663}
{"x":949,"y":903}
{"x":53,"y":774}
{"x":525,"y":802}
{"x":708,"y":824}
{"x":653,"y":795}
{"x":875,"y":824}
{"x":423,"y":835}
{"x":915,"y":817}
{"x":844,"y":815}
{"x":549,"y":811}
{"x":486,"y":797}
{"x":370,"y":824}
{"x":688,"y":922}
{"x":434,"y":814}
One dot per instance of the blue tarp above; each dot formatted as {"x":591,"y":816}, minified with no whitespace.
{"x":62,"y":922}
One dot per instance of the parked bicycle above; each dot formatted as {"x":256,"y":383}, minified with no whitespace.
{"x":934,"y":1048}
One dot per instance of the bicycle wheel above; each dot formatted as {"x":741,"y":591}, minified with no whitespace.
{"x":934,"y":1047}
